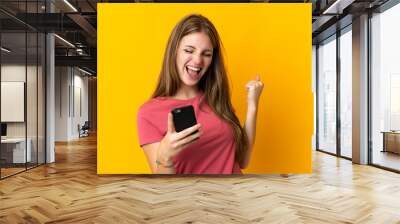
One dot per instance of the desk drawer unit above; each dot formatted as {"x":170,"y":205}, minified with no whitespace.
{"x":13,"y":151}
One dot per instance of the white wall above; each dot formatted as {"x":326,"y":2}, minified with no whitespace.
{"x":71,"y":102}
{"x":62,"y":78}
{"x":81,"y":82}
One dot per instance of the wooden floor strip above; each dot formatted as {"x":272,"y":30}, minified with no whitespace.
{"x":70,"y":191}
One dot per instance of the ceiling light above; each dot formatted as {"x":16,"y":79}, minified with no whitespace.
{"x":5,"y":50}
{"x":70,"y":5}
{"x":337,"y":7}
{"x":64,"y":40}
{"x":84,"y":71}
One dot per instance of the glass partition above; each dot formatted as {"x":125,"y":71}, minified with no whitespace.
{"x":41,"y":85}
{"x":327,"y":95}
{"x":346,"y":93}
{"x":14,"y":154}
{"x":22,"y":77}
{"x":385,"y":88}
{"x":31,"y":100}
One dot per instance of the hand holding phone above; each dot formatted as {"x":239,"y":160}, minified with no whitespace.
{"x":174,"y":142}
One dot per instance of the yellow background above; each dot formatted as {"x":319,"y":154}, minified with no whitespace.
{"x":273,"y":40}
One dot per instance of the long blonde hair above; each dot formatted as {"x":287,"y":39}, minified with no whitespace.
{"x":214,"y":82}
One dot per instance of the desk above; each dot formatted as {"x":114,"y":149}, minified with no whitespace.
{"x":391,"y":141}
{"x":15,"y":148}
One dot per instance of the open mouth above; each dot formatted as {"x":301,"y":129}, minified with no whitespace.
{"x":194,"y":72}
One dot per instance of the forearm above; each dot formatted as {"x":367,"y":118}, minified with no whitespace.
{"x":250,"y":128}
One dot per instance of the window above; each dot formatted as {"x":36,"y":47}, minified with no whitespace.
{"x":385,"y":88}
{"x":327,"y":95}
{"x":346,"y":93}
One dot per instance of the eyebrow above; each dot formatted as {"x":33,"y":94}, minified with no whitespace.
{"x":195,"y":48}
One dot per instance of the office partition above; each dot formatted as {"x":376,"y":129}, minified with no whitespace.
{"x":22,"y":77}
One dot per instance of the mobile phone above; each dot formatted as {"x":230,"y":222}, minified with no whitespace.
{"x":184,"y":117}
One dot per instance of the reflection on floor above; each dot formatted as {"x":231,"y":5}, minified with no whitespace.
{"x":10,"y":169}
{"x":386,"y":159}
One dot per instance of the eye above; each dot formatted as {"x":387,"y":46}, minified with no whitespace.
{"x":208,"y":55}
{"x":188,"y":51}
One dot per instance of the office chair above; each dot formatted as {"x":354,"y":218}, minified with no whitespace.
{"x":84,"y":130}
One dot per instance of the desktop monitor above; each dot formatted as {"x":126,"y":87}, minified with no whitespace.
{"x":3,"y":129}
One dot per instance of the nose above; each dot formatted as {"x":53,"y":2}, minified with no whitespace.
{"x":197,"y":59}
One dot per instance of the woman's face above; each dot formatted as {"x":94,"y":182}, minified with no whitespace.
{"x":194,"y":56}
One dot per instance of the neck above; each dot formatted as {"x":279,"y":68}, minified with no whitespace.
{"x":186,"y":92}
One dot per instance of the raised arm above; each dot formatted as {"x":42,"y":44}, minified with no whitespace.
{"x":254,"y":90}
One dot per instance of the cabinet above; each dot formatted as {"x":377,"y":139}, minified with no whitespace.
{"x":391,"y":141}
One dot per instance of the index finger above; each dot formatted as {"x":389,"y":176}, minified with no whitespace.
{"x":187,"y":131}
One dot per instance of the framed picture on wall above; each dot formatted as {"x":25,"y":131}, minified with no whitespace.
{"x":12,"y":101}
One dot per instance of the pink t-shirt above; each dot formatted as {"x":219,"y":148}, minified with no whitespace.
{"x":214,"y":151}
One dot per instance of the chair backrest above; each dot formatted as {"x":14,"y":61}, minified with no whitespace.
{"x":86,"y":125}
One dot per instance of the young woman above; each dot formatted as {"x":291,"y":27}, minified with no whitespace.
{"x":193,"y":73}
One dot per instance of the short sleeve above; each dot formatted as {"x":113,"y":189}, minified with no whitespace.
{"x":147,"y":130}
